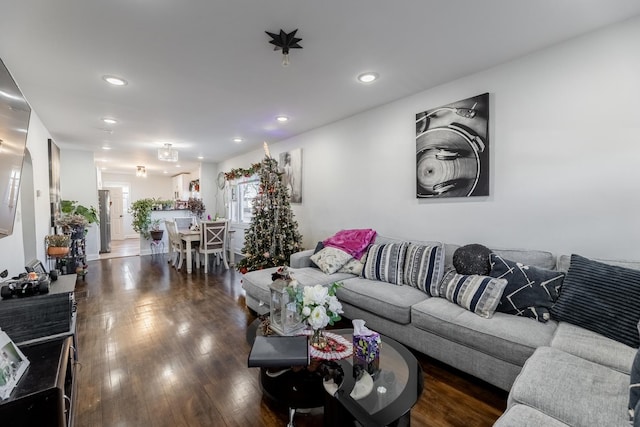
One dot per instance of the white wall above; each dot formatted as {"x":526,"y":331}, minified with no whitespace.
{"x":153,"y":186}
{"x":79,"y":182}
{"x":12,"y":247}
{"x":564,"y":150}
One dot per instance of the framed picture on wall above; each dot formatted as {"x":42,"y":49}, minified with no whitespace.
{"x":291,"y":167}
{"x":54,"y":181}
{"x":452,"y":149}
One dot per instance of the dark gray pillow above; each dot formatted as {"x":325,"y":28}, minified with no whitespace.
{"x":602,"y":298}
{"x":530,"y":292}
{"x":472,"y":259}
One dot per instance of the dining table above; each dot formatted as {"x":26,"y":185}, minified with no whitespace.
{"x":189,"y":236}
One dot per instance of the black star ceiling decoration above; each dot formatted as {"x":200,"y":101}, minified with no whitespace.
{"x":285,"y":41}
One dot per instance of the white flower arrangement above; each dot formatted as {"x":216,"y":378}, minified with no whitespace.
{"x":318,"y":305}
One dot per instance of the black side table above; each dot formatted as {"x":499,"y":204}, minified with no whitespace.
{"x":46,"y":393}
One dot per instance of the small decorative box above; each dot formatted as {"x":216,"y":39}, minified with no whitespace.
{"x":366,"y":347}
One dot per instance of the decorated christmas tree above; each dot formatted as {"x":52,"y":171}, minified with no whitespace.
{"x":273,"y":234}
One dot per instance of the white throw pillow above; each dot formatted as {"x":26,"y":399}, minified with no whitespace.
{"x":330,"y":259}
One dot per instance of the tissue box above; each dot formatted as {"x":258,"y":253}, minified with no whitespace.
{"x":366,"y":351}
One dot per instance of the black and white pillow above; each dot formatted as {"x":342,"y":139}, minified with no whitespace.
{"x":530,"y":292}
{"x":424,"y":268}
{"x":385,"y":263}
{"x":476,"y":293}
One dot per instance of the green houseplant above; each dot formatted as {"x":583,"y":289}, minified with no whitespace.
{"x":71,"y":207}
{"x":58,"y":244}
{"x":141,"y":212}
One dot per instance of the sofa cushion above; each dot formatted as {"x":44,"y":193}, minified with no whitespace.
{"x":526,"y":416}
{"x":602,"y":298}
{"x":256,"y":283}
{"x":593,"y":347}
{"x":472,"y":259}
{"x":424,"y":267}
{"x":479,"y":294}
{"x":383,"y":299}
{"x":565,"y":260}
{"x":505,"y":337}
{"x":530,"y":291}
{"x":330,"y":259}
{"x":542,"y":259}
{"x":634,"y":386}
{"x":385,"y":263}
{"x":572,"y":390}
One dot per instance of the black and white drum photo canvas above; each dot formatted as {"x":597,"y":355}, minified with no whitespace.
{"x":452,"y":149}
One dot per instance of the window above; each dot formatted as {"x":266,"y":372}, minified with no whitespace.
{"x":242,"y":195}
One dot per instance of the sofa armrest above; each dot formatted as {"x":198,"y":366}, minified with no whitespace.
{"x":301,"y":259}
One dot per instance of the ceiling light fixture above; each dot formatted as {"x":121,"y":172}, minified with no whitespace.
{"x":106,"y":147}
{"x":237,"y":140}
{"x":167,"y":154}
{"x":368,"y":77}
{"x":109,"y":120}
{"x":200,"y":157}
{"x":285,"y":41}
{"x":141,"y":171}
{"x":282,"y":119}
{"x":115,"y":81}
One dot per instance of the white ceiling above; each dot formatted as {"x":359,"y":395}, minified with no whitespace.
{"x":201,"y":72}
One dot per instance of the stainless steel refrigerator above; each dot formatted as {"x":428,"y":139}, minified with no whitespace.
{"x":104,"y":206}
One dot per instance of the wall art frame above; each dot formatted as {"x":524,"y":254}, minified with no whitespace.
{"x":452,"y":149}
{"x":290,"y":164}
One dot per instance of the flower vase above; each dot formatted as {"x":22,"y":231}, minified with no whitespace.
{"x":318,"y":340}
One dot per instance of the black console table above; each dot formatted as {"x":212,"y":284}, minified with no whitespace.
{"x":46,"y":393}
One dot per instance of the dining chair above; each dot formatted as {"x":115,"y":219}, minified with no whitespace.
{"x":177,"y":248}
{"x":183,"y":222}
{"x":213,"y":241}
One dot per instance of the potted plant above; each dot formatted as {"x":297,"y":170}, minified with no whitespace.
{"x":166,"y":204}
{"x":155,"y":231}
{"x":196,"y":206}
{"x":76,"y":218}
{"x":58,"y":244}
{"x":141,"y":212}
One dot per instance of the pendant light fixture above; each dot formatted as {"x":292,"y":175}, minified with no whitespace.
{"x":141,"y":171}
{"x":285,"y":41}
{"x":167,"y":154}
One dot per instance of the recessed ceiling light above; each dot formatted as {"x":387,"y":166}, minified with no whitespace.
{"x":109,"y":120}
{"x":116,"y":81}
{"x":237,"y":140}
{"x":368,"y":77}
{"x":106,"y":147}
{"x":200,"y":157}
{"x":282,"y":119}
{"x":164,"y":171}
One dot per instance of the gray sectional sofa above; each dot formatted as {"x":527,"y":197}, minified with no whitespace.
{"x":556,"y":373}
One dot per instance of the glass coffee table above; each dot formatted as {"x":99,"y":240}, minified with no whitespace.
{"x":384,"y":398}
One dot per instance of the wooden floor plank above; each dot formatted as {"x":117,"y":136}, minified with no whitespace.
{"x":161,"y":348}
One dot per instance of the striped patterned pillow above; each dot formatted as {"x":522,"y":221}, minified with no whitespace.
{"x":424,"y":268}
{"x":480,"y":294}
{"x":602,"y":298}
{"x":385,"y":263}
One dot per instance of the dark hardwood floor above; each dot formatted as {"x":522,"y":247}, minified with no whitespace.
{"x":160,"y":348}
